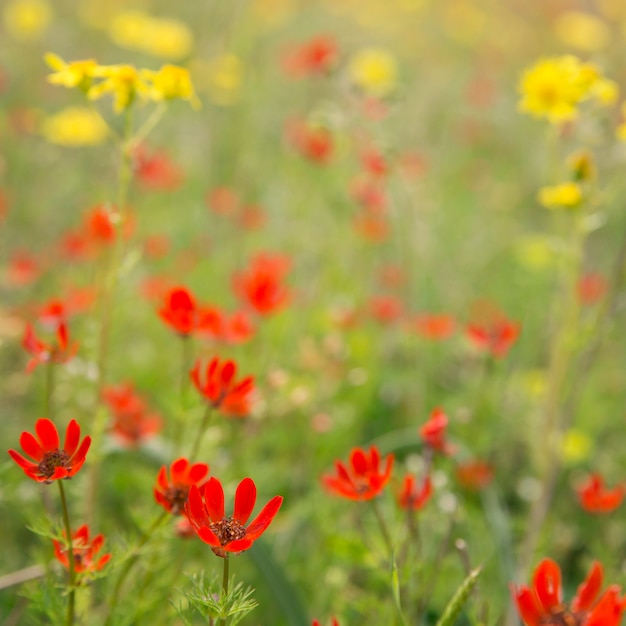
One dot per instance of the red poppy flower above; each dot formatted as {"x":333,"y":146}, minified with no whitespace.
{"x":474,"y":475}
{"x":155,"y":170}
{"x":238,"y":328}
{"x":316,"y":56}
{"x":434,"y":326}
{"x":219,"y":387}
{"x":414,"y":497}
{"x":372,"y":227}
{"x":364,"y":479}
{"x":179,"y":311}
{"x":594,"y":497}
{"x":228,"y":534}
{"x":315,"y":143}
{"x":172,"y":495}
{"x":495,"y":337}
{"x":51,"y":462}
{"x":334,"y":622}
{"x":369,"y":194}
{"x":85,"y":551}
{"x":542,"y":604}
{"x":433,"y":432}
{"x":260,"y":286}
{"x":23,"y":269}
{"x":591,"y":288}
{"x":386,"y":309}
{"x":41,"y":352}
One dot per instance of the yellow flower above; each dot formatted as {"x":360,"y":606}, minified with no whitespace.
{"x":563,"y":196}
{"x":582,"y":165}
{"x":75,"y":126}
{"x":171,"y":83}
{"x":553,"y":87}
{"x":161,"y":37}
{"x":27,"y":20}
{"x":575,"y":446}
{"x":605,"y":91}
{"x":374,"y":70}
{"x":535,"y":252}
{"x":583,"y":31}
{"x":124,"y":82}
{"x":72,"y":74}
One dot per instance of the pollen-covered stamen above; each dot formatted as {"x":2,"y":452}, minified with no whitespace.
{"x":228,"y":530}
{"x":52,"y":460}
{"x":177,"y":496}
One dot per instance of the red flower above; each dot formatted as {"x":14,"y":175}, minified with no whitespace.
{"x":85,"y":551}
{"x":219,"y":387}
{"x":591,"y":288}
{"x":474,"y":475}
{"x":595,"y":498}
{"x":156,"y":171}
{"x":495,"y":337}
{"x":372,"y":227}
{"x":227,"y":534}
{"x":433,"y":432}
{"x":172,"y":496}
{"x":41,"y":352}
{"x":23,"y":269}
{"x":222,"y":200}
{"x":364,"y":479}
{"x":414,"y":497}
{"x":51,"y":463}
{"x":434,"y":326}
{"x":335,"y":622}
{"x":180,"y":311}
{"x":542,"y":605}
{"x":386,"y":309}
{"x":260,"y":286}
{"x":316,"y":56}
{"x":312,"y":142}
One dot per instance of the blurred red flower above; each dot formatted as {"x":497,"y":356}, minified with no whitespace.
{"x":218,"y":385}
{"x":260,"y":286}
{"x":23,"y":269}
{"x":433,"y":432}
{"x":542,"y":603}
{"x":474,"y":475}
{"x":386,"y":309}
{"x":85,"y":551}
{"x":372,"y":227}
{"x":594,"y":497}
{"x":434,"y":326}
{"x":334,"y":622}
{"x":51,"y":462}
{"x":591,"y":288}
{"x":179,"y":311}
{"x":364,"y":479}
{"x":495,"y":337}
{"x":41,"y":352}
{"x":412,"y":496}
{"x":172,"y":494}
{"x":227,"y":534}
{"x":222,"y":200}
{"x":155,"y":170}
{"x":318,"y":55}
{"x":312,"y":142}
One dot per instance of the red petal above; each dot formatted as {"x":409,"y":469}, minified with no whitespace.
{"x":162,"y":478}
{"x":358,"y":461}
{"x":72,"y":436}
{"x":31,"y":446}
{"x":81,"y":453}
{"x":207,"y":535}
{"x":527,"y":607}
{"x":245,"y":498}
{"x":214,"y":500}
{"x":589,"y":589}
{"x":178,"y":471}
{"x":22,"y":462}
{"x":547,"y":584}
{"x":197,"y":472}
{"x":47,"y":433}
{"x":195,"y":508}
{"x":264,"y":518}
{"x":228,"y":373}
{"x":239,"y":545}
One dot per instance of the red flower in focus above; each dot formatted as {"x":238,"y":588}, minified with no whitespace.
{"x":433,"y":432}
{"x":217,"y":384}
{"x":312,"y":142}
{"x":435,"y":326}
{"x":542,"y":604}
{"x":41,"y":352}
{"x":260,"y":286}
{"x":413,"y":497}
{"x":316,"y":56}
{"x":172,"y":495}
{"x":51,"y":462}
{"x":474,"y":475}
{"x":594,"y":497}
{"x":132,"y":424}
{"x":495,"y":337}
{"x":364,"y":479}
{"x":85,"y":551}
{"x":179,"y":311}
{"x":227,"y":534}
{"x":156,"y":171}
{"x":591,"y":288}
{"x":386,"y":309}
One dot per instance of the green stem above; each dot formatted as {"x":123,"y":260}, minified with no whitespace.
{"x":222,"y":621}
{"x":184,"y":370}
{"x":203,"y":426}
{"x":49,"y":389}
{"x":148,"y":126}
{"x":71,"y":598}
{"x":129,"y":565}
{"x":383,"y":527}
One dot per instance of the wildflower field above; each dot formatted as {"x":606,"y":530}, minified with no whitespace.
{"x":312,"y":312}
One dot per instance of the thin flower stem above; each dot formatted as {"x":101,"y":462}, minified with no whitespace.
{"x":147,"y":127}
{"x":203,"y":426}
{"x":383,"y":527}
{"x":71,"y":597}
{"x":225,"y":577}
{"x":184,"y":370}
{"x":49,"y":389}
{"x":130,"y":563}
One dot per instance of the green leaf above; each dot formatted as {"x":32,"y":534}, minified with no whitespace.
{"x":459,"y":599}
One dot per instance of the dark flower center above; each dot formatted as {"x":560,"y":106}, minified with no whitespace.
{"x":562,"y":616}
{"x":177,"y":496}
{"x":51,"y":460}
{"x":228,"y":530}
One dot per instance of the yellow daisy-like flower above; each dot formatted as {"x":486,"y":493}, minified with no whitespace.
{"x":171,"y":83}
{"x":74,"y":127}
{"x":70,"y":74}
{"x":553,"y":88}
{"x":27,"y":20}
{"x":374,"y":70}
{"x":563,"y":196}
{"x":124,"y":82}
